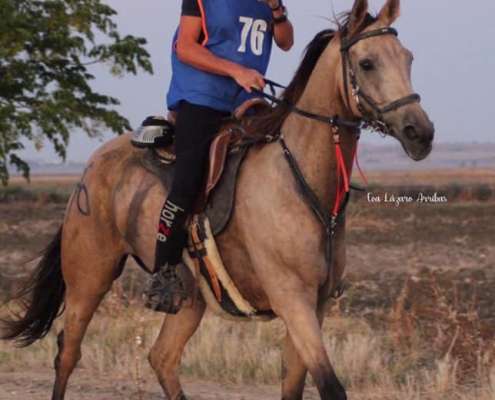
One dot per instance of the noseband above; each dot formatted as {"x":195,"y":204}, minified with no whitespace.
{"x":359,"y":95}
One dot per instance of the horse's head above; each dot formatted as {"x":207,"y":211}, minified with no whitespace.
{"x":377,"y":78}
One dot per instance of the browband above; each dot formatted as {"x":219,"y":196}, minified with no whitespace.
{"x":348,"y":43}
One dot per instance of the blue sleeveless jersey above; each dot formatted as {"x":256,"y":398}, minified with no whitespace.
{"x":236,"y":30}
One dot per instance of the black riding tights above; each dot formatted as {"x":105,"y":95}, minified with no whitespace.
{"x":194,"y":130}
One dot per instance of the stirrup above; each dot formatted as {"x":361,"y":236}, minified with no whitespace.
{"x":165,"y":292}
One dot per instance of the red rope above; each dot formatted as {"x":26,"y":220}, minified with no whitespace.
{"x":343,"y":168}
{"x":341,"y":172}
{"x":336,"y":205}
{"x":356,"y":161}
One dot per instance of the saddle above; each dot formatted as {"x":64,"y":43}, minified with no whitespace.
{"x":157,"y":133}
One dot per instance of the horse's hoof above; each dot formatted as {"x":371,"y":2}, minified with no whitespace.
{"x":181,"y":396}
{"x":341,"y":395}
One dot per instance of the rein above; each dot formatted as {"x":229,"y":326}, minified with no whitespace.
{"x":333,"y":121}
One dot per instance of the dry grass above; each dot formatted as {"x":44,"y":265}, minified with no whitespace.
{"x":45,"y":180}
{"x":392,"y":362}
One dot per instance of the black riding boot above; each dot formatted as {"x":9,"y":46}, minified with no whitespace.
{"x":165,"y":292}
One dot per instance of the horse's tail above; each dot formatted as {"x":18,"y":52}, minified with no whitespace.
{"x":42,"y":298}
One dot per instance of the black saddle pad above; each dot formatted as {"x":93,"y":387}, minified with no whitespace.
{"x":221,"y":200}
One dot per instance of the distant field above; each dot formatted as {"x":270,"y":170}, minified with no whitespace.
{"x":461,"y":176}
{"x":437,"y":176}
{"x":456,"y":182}
{"x":38,"y":180}
{"x":441,"y":176}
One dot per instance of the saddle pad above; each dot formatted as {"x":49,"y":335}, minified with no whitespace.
{"x":221,"y":199}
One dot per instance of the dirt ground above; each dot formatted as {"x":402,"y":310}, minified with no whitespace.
{"x":37,"y":386}
{"x":415,"y":246}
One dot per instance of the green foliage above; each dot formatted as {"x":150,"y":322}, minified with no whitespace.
{"x":46,"y":47}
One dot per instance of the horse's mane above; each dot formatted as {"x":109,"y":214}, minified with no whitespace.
{"x":269,"y":123}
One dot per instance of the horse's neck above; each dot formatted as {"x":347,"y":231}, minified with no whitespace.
{"x":311,"y":141}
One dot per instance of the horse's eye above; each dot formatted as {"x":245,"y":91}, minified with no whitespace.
{"x":367,"y":64}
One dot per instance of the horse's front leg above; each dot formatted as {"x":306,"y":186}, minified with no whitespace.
{"x":301,"y":318}
{"x":294,"y":370}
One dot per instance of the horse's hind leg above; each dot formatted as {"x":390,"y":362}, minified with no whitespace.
{"x":89,"y":271}
{"x":80,"y":310}
{"x":166,"y":353}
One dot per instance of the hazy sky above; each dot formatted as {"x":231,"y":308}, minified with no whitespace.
{"x":453,"y":42}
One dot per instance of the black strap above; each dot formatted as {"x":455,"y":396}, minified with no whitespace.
{"x":305,"y":190}
{"x":310,"y":197}
{"x":412,"y":98}
{"x":345,"y":74}
{"x":347,"y":43}
{"x":334,"y":121}
{"x":273,"y":85}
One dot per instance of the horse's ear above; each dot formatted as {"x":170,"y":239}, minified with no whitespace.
{"x":390,"y":12}
{"x":358,"y":16}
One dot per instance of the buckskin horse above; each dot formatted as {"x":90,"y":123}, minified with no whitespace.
{"x":275,"y":246}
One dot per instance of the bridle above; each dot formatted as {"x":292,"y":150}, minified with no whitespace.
{"x":377,"y":122}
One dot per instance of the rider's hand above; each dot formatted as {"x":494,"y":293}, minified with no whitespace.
{"x":273,"y":4}
{"x":249,"y":79}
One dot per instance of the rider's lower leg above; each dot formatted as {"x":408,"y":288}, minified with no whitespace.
{"x":195,"y":127}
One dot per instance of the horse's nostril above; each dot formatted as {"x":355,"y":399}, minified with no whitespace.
{"x":411,"y":133}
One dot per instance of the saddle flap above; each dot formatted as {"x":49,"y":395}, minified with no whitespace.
{"x":220,"y":146}
{"x":218,"y":155}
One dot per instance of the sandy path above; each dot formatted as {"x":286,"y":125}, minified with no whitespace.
{"x":37,"y":386}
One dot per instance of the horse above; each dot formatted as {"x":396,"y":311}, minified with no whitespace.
{"x":274,"y":248}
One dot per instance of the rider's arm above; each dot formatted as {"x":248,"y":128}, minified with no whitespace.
{"x":283,"y":32}
{"x":190,"y":51}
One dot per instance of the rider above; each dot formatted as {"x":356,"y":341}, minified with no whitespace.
{"x":220,"y":52}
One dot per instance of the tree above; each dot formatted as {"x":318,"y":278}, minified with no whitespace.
{"x":46,"y":48}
